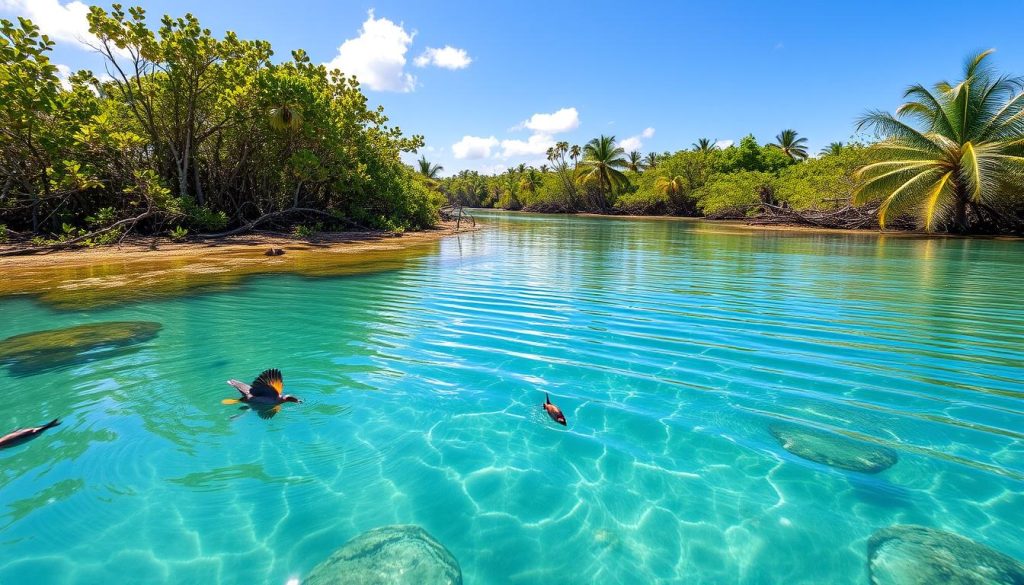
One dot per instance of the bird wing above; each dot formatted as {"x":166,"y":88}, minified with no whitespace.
{"x":269,"y":384}
{"x":242,"y":388}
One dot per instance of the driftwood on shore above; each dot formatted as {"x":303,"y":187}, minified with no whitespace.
{"x":843,"y":217}
{"x":847,"y":217}
{"x":249,"y":226}
{"x":456,"y":213}
{"x":129,"y":225}
{"x":80,"y":240}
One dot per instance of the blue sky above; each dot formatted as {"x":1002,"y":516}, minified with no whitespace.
{"x":515,"y":76}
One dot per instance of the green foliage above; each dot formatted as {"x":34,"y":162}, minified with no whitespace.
{"x":678,"y":176}
{"x":827,"y":182}
{"x":793,"y":147}
{"x":178,"y":234}
{"x":704,"y":145}
{"x":509,"y":186}
{"x":468,"y":188}
{"x":734,"y":194}
{"x":427,"y":169}
{"x":551,"y":195}
{"x":193,"y":128}
{"x":751,"y":156}
{"x":103,"y":217}
{"x":416,"y":204}
{"x":307,"y":231}
{"x":201,"y":217}
{"x":4,"y":237}
{"x":634,"y":161}
{"x":600,"y":171}
{"x":643,"y":203}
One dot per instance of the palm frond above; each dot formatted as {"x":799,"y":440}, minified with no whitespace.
{"x":932,"y":200}
{"x":904,"y":198}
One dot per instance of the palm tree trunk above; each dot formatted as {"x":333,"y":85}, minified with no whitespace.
{"x":960,"y":213}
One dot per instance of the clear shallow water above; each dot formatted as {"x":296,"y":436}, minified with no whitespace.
{"x":671,"y":347}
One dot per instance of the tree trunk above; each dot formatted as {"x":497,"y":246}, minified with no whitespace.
{"x":960,"y":214}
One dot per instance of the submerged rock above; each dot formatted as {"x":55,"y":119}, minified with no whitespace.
{"x":832,"y":449}
{"x":389,"y":555}
{"x":915,"y":555}
{"x":43,"y":350}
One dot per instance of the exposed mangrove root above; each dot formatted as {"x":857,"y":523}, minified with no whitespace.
{"x":277,"y":215}
{"x":79,"y":240}
{"x":848,"y":217}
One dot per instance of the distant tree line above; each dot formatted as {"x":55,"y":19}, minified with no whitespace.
{"x":950,"y":159}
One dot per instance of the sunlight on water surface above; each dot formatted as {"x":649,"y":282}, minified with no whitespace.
{"x":684,"y":355}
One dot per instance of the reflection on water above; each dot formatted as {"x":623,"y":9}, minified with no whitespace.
{"x":672,"y":348}
{"x":83,"y":283}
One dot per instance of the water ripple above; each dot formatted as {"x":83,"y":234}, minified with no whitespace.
{"x":670,"y":346}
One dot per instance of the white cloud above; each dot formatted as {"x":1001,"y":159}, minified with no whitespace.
{"x":448,"y":57}
{"x":723,"y":144}
{"x":536,"y":144}
{"x":532,"y":150}
{"x":631,"y":143}
{"x":492,"y":169}
{"x":377,"y":56}
{"x":635,"y":142}
{"x":62,"y":22}
{"x":563,"y":120}
{"x":472,"y":147}
{"x":64,"y":74}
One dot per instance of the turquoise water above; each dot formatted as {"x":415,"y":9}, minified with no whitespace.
{"x":671,"y":347}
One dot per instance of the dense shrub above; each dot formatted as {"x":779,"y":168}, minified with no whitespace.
{"x":197,"y":131}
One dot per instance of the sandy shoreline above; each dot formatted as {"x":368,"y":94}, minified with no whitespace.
{"x":153,"y":248}
{"x":147,"y":268}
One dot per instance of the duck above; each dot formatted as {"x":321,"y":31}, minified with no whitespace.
{"x":553,"y":411}
{"x":20,"y":436}
{"x":266,"y":393}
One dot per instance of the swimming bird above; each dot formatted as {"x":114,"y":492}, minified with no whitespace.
{"x":265,"y":393}
{"x":553,"y":411}
{"x":21,"y":435}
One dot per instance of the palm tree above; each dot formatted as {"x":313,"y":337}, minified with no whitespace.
{"x":651,"y":160}
{"x":510,"y":184}
{"x":832,"y":148}
{"x":963,"y":155}
{"x":575,"y":153}
{"x":602,"y":162}
{"x":670,"y":187}
{"x":427,"y":169}
{"x":704,"y":145}
{"x":530,"y":182}
{"x":793,"y":147}
{"x":544,"y":168}
{"x":635,"y":162}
